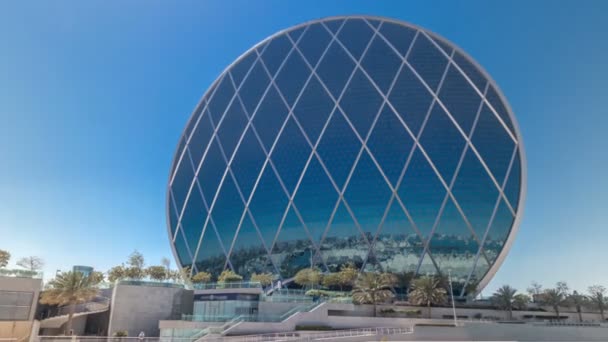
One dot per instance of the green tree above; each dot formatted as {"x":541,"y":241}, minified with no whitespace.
{"x":521,"y":301}
{"x":308,"y":277}
{"x":535,"y":290}
{"x":504,"y":298}
{"x":158,"y":273}
{"x":4,"y":258}
{"x":263,"y":278}
{"x":136,"y":265}
{"x":201,"y":278}
{"x":97,"y":277}
{"x":32,"y":263}
{"x":373,"y":288}
{"x":554,"y":298}
{"x":69,"y":288}
{"x":578,"y":301}
{"x":348,"y":274}
{"x":229,"y":276}
{"x":597,"y":295}
{"x":116,"y":273}
{"x":332,"y":280}
{"x":427,"y":291}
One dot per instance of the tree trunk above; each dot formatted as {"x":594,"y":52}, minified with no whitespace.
{"x":428,"y":305}
{"x":602,"y":313}
{"x":556,"y":308}
{"x":580,"y":314}
{"x":68,"y":325}
{"x":374,"y":302}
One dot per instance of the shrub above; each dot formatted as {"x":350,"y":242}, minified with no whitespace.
{"x":477,"y":315}
{"x":313,"y":327}
{"x":121,"y":333}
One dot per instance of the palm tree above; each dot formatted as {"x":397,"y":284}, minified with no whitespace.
{"x":427,"y":291}
{"x":554,"y":298}
{"x":578,"y":300}
{"x":597,"y":295}
{"x":69,"y":288}
{"x":373,"y":288}
{"x":504,"y":298}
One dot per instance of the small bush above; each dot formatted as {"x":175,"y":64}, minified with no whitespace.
{"x":121,"y":333}
{"x":322,"y":293}
{"x":313,"y":327}
{"x":387,"y":311}
{"x":477,"y":315}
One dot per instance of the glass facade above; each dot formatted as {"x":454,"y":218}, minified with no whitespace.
{"x":349,"y":140}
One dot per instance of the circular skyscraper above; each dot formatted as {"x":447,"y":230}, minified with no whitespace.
{"x":349,"y":140}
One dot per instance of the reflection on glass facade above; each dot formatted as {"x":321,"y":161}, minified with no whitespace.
{"x":348,"y":140}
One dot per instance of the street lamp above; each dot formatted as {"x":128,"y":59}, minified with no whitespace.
{"x":452,"y":294}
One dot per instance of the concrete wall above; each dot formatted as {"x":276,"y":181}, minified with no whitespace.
{"x":18,"y":284}
{"x":15,"y":329}
{"x":137,"y":308}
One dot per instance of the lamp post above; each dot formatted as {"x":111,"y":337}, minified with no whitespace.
{"x":452,"y":295}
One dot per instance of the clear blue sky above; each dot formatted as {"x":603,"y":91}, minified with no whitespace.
{"x":94,"y":96}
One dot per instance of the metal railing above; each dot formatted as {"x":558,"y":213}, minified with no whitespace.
{"x":140,"y":282}
{"x":111,"y":339}
{"x":315,"y":336}
{"x":228,"y":285}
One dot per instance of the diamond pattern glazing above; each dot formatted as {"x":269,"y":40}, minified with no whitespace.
{"x":345,"y":141}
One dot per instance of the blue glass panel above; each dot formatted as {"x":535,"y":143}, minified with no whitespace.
{"x":200,"y":108}
{"x":178,"y":153}
{"x":399,"y":36}
{"x":315,"y":199}
{"x":334,"y":25}
{"x":227,"y":212}
{"x":453,"y":246}
{"x":411,"y":99}
{"x":248,"y":254}
{"x":367,"y":195}
{"x":361,"y":103}
{"x":390,"y":144}
{"x":313,"y":109}
{"x":290,"y":154}
{"x":314,"y":42}
{"x":253,"y":88}
{"x":270,"y":117}
{"x":355,"y":34}
{"x":480,"y":270}
{"x":292,"y":77}
{"x":295,"y":34}
{"x":182,"y":181}
{"x":221,"y":99}
{"x":398,"y":247}
{"x":460,"y":99}
{"x":268,"y":205}
{"x":200,"y":139}
{"x":421,"y":192}
{"x":444,"y":46}
{"x":493,"y":143}
{"x":292,"y":250}
{"x":231,"y":128}
{"x":513,"y":186}
{"x":471,"y":71}
{"x":381,"y":63}
{"x":240,"y":69}
{"x":476,"y":193}
{"x":494,"y":99}
{"x":211,"y":171}
{"x":375,"y":23}
{"x":335,"y":69}
{"x":172,"y":214}
{"x":443,"y":143}
{"x":193,"y":218}
{"x":339,"y":148}
{"x":182,"y":251}
{"x":211,"y":257}
{"x":248,"y":162}
{"x":428,"y":61}
{"x":275,"y":53}
{"x":426,"y":266}
{"x":498,"y":232}
{"x":343,"y":242}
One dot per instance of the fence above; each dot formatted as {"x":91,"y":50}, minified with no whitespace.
{"x":228,"y":285}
